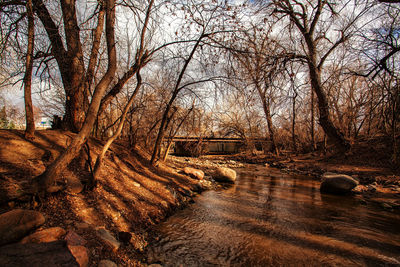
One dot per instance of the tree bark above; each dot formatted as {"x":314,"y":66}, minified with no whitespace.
{"x":294,"y":121}
{"x":307,"y":25}
{"x":99,"y":160}
{"x":267,"y":113}
{"x":30,"y":121}
{"x":70,"y":61}
{"x":45,"y":181}
{"x":324,"y":115}
{"x":313,"y":147}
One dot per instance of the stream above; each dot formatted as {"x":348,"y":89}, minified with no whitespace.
{"x":270,"y":218}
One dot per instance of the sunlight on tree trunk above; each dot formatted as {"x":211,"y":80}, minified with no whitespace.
{"x":30,"y":122}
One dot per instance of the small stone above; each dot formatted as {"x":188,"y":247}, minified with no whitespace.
{"x":108,"y":238}
{"x":46,"y":235}
{"x":80,"y":254}
{"x":74,"y":185}
{"x":81,"y":225}
{"x":107,"y":263}
{"x":136,"y":184}
{"x":15,"y":224}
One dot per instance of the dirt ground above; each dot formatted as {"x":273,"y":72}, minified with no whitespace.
{"x":131,"y":194}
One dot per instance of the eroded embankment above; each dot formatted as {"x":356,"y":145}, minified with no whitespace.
{"x":131,"y":194}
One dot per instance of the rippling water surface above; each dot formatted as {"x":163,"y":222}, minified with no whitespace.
{"x":269,"y":218}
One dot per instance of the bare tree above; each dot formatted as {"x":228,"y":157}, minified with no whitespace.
{"x":313,"y":21}
{"x":30,"y":122}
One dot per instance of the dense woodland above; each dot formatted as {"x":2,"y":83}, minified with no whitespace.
{"x":305,"y":75}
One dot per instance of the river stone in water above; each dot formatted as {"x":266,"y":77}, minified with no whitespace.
{"x":194,"y":173}
{"x":17,"y":223}
{"x":337,"y":183}
{"x":224,"y":175}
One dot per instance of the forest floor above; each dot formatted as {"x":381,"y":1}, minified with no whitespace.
{"x":132,"y":196}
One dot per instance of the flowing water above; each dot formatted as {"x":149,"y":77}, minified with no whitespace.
{"x":269,"y":218}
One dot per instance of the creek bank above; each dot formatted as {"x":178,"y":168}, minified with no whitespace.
{"x":131,"y":196}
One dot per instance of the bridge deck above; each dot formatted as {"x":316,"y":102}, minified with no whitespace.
{"x":214,"y":139}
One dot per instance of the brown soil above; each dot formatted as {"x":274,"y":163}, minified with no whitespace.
{"x":131,"y":194}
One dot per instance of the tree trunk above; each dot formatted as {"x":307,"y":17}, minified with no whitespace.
{"x":166,"y":152}
{"x":70,"y":61}
{"x":177,"y":89}
{"x":30,"y":122}
{"x":45,"y":181}
{"x":313,"y":147}
{"x":324,"y":117}
{"x":100,"y":158}
{"x":267,"y":112}
{"x":294,"y":122}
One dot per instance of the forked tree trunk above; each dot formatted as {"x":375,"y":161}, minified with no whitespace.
{"x":45,"y":181}
{"x":30,"y":121}
{"x":100,"y":158}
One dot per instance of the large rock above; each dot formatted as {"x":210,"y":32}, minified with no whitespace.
{"x":46,"y":235}
{"x":226,"y":175}
{"x":37,"y":255}
{"x":17,"y":223}
{"x":194,"y":173}
{"x":337,"y":183}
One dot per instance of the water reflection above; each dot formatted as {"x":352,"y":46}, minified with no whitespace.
{"x":269,"y":218}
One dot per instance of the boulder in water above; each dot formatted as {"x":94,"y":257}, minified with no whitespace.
{"x":335,"y":183}
{"x":224,"y":175}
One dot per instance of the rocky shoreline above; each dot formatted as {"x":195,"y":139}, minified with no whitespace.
{"x":382,"y":190}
